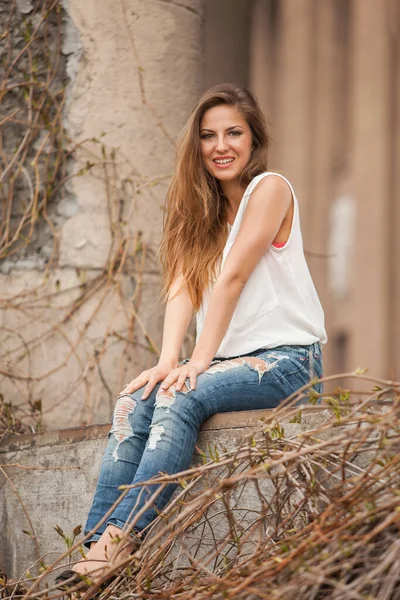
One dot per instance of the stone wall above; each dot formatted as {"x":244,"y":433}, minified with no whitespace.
{"x":52,"y":477}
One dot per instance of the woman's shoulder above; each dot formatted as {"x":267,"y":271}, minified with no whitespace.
{"x":270,"y":180}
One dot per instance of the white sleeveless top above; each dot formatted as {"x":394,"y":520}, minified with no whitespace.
{"x":279,"y":304}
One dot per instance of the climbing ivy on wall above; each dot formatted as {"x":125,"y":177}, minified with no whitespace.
{"x":34,"y":149}
{"x":38,"y":161}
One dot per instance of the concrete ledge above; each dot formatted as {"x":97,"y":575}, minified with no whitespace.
{"x":218,"y":422}
{"x":52,"y":477}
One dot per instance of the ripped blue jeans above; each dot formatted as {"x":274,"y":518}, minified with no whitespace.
{"x":158,"y":435}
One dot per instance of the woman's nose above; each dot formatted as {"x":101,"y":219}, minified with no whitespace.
{"x":221,"y":144}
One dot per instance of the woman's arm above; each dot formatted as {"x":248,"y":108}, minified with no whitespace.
{"x":265,"y":212}
{"x":178,"y":313}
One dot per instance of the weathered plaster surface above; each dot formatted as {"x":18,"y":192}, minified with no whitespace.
{"x":139,"y":75}
{"x":135,"y":70}
{"x":66,"y":399}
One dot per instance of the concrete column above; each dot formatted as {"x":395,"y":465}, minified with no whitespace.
{"x":316,"y":229}
{"x":295,"y":86}
{"x":226,"y":42}
{"x":394,"y":308}
{"x":261,"y":57}
{"x":139,"y":77}
{"x":135,"y":71}
{"x":370,"y":167}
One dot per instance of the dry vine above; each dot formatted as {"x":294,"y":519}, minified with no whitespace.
{"x":311,"y":515}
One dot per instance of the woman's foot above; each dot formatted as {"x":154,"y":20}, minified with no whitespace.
{"x":112,"y":546}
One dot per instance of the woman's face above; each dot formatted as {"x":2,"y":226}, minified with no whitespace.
{"x":225,"y":142}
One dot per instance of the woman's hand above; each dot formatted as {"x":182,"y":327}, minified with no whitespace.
{"x":178,"y":376}
{"x":150,"y":377}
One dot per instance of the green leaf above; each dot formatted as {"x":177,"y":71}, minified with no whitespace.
{"x":360,"y":370}
{"x":296,"y":418}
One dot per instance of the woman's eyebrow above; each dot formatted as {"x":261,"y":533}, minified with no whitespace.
{"x":227,"y":129}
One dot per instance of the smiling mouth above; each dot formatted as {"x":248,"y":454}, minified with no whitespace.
{"x":223,"y":161}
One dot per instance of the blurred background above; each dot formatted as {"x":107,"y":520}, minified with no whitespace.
{"x":327,"y":77}
{"x":93,"y":98}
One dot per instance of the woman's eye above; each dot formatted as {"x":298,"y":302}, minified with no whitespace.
{"x":207,"y":136}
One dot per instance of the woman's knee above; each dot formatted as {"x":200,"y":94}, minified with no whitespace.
{"x":128,"y":406}
{"x":128,"y":402}
{"x":124,"y":406}
{"x":184,"y":404}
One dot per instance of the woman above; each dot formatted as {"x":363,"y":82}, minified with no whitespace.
{"x":232,"y":253}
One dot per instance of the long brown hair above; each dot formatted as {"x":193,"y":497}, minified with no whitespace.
{"x":195,"y":215}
